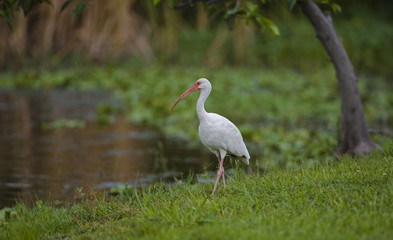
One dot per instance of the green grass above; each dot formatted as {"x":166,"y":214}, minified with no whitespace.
{"x":350,"y":199}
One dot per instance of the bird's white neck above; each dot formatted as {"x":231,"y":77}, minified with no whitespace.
{"x":200,"y":108}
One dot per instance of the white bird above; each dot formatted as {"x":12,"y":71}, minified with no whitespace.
{"x":216,"y":132}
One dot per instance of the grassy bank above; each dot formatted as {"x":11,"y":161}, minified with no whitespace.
{"x":289,"y":117}
{"x":350,"y":199}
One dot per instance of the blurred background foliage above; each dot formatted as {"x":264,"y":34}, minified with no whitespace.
{"x":117,"y":30}
{"x":280,"y":90}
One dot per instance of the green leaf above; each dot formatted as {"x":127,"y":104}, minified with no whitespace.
{"x":7,"y":18}
{"x":156,"y":2}
{"x":79,"y":8}
{"x":253,"y":7}
{"x":65,"y":5}
{"x":291,"y":4}
{"x":267,"y":23}
{"x":273,"y":28}
{"x":336,"y":8}
{"x":26,"y":5}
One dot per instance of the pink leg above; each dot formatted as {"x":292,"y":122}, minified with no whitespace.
{"x":223,"y":172}
{"x":220,"y":174}
{"x":217,"y":180}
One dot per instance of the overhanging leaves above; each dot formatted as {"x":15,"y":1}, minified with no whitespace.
{"x":252,"y":7}
{"x":65,"y":5}
{"x":79,"y":8}
{"x":8,"y":7}
{"x":26,"y":5}
{"x":267,"y":23}
{"x":7,"y":17}
{"x":336,"y":8}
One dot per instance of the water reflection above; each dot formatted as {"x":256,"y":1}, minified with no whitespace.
{"x":50,"y":164}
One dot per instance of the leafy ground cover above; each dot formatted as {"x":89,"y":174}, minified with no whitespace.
{"x":286,"y":116}
{"x":350,"y":199}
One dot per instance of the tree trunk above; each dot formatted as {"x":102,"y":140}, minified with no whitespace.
{"x":354,"y":138}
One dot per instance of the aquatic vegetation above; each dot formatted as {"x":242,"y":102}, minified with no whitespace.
{"x":286,"y":116}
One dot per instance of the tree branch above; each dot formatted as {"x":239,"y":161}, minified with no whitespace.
{"x":231,"y":17}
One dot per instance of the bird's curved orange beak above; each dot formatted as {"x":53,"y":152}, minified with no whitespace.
{"x":193,"y":88}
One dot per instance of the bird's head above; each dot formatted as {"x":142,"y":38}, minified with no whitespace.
{"x":200,"y":84}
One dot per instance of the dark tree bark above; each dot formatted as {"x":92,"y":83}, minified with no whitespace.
{"x":354,"y":138}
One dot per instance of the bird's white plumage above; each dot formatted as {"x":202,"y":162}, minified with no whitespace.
{"x":216,"y":132}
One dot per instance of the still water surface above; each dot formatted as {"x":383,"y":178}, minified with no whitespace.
{"x":49,"y":164}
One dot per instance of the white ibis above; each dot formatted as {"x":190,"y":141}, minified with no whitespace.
{"x":216,"y":132}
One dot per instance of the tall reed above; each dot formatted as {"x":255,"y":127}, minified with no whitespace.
{"x":105,"y":29}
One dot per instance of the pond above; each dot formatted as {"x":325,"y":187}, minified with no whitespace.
{"x":41,"y":161}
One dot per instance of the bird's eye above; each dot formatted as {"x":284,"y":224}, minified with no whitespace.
{"x":199,"y":83}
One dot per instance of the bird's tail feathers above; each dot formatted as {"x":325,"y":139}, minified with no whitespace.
{"x":245,"y":160}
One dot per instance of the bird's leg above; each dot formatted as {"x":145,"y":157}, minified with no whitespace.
{"x":220,"y":172}
{"x":217,"y":180}
{"x":221,"y":169}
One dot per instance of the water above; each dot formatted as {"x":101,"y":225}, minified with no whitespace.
{"x":49,"y":164}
